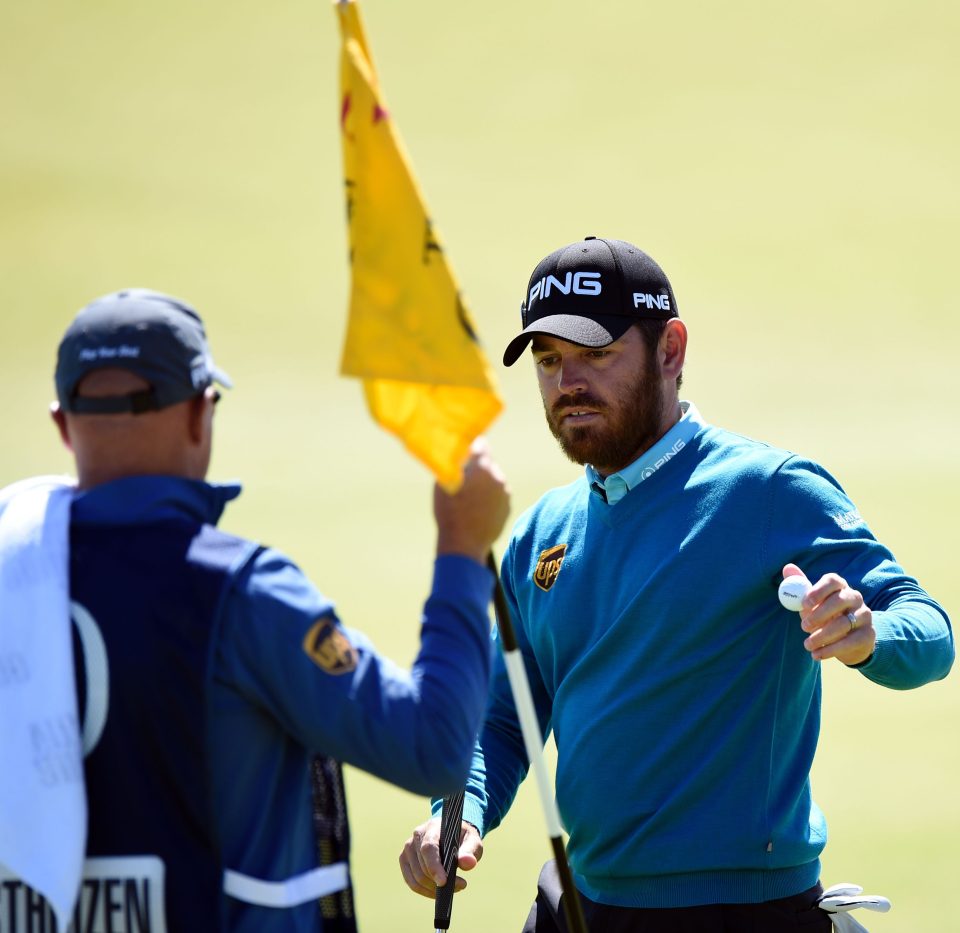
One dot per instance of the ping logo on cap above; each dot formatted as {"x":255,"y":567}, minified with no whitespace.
{"x":548,"y":566}
{"x":659,"y":302}
{"x":329,"y":648}
{"x":579,"y":283}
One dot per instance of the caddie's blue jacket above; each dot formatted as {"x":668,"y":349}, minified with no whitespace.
{"x":245,"y":676}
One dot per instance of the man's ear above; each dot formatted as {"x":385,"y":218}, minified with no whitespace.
{"x":60,"y":420}
{"x":673,"y":348}
{"x":196,"y":416}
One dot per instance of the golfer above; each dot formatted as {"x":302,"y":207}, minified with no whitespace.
{"x":683,"y":698}
{"x":218,"y":690}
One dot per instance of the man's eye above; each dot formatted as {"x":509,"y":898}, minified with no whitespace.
{"x":598,"y":354}
{"x":547,"y":361}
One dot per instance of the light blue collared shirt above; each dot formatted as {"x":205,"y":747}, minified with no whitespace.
{"x":617,"y":485}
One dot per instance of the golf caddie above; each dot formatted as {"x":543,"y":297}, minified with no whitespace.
{"x":176,"y":701}
{"x":683,"y":697}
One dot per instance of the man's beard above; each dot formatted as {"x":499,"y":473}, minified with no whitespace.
{"x":633,"y":423}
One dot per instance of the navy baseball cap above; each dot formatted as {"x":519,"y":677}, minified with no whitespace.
{"x":590,"y":292}
{"x":158,"y":337}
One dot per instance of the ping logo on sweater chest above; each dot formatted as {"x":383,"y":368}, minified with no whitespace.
{"x":548,"y":566}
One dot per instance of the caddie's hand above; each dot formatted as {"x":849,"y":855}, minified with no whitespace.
{"x":838,"y":622}
{"x":470,"y":520}
{"x":420,"y":862}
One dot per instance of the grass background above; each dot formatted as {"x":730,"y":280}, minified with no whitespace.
{"x":793,"y":168}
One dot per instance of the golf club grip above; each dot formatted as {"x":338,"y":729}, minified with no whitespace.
{"x":450,"y":819}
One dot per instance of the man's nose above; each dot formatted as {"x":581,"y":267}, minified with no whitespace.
{"x":572,"y":376}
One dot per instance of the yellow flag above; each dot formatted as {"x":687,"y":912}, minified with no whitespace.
{"x":409,"y":335}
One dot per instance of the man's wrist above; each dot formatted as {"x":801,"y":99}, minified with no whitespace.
{"x":451,"y":544}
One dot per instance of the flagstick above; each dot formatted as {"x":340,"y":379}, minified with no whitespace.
{"x":533,"y":740}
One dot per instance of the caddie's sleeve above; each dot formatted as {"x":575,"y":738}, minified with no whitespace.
{"x":500,"y":760}
{"x":284,"y":649}
{"x":815,"y":525}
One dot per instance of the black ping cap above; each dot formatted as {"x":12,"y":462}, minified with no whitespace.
{"x":156,"y":336}
{"x":590,"y":292}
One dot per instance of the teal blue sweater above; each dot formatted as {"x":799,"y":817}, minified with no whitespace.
{"x":684,"y":706}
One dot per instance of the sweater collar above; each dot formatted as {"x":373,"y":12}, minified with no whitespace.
{"x":612,"y":489}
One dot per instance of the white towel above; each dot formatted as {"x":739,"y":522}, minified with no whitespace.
{"x":840,"y":899}
{"x":43,"y":809}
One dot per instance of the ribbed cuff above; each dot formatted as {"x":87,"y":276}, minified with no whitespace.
{"x":472,"y":811}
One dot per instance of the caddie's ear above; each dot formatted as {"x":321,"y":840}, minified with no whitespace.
{"x":673,"y":348}
{"x":197,"y":415}
{"x":60,"y":420}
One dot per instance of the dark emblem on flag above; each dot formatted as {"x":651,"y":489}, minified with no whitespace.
{"x":430,"y":244}
{"x":548,"y":566}
{"x":329,"y":648}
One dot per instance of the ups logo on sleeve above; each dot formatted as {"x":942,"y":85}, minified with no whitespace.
{"x":329,"y":648}
{"x":548,"y":566}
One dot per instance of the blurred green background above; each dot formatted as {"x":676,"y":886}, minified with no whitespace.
{"x":792,"y":166}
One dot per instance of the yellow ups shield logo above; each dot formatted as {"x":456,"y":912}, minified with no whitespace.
{"x":548,"y":566}
{"x":328,"y":647}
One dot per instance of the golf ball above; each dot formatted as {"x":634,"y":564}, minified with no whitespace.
{"x":791,"y":593}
